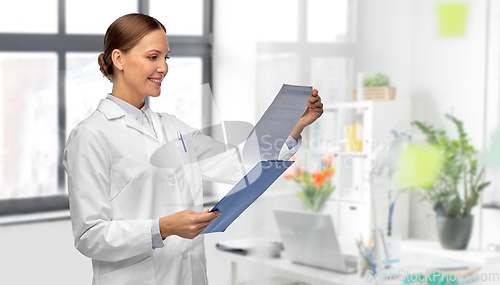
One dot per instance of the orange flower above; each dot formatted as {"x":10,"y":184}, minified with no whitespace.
{"x":327,"y":159}
{"x":318,"y":178}
{"x":329,"y":172}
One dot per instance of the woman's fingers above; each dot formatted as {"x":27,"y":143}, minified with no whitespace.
{"x":208,"y":222}
{"x":187,"y":224}
{"x":206,"y":219}
{"x":208,"y":216}
{"x":204,"y":224}
{"x":314,"y":101}
{"x":316,"y":104}
{"x":316,"y":107}
{"x":200,"y":231}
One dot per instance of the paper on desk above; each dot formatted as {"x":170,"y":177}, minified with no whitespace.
{"x":274,"y":127}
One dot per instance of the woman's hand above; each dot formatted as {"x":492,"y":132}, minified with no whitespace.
{"x":186,"y":224}
{"x":313,"y":112}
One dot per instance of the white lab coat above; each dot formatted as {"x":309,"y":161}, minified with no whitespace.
{"x":115,"y":193}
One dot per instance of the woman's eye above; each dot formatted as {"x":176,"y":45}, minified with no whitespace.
{"x":167,"y":57}
{"x":153,"y":57}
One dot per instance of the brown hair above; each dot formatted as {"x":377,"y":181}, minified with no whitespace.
{"x":123,"y":34}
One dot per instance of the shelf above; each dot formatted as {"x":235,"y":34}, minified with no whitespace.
{"x":362,"y":104}
{"x":347,"y":105}
{"x":350,"y":204}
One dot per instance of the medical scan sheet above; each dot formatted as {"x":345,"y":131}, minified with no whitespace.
{"x":274,"y":127}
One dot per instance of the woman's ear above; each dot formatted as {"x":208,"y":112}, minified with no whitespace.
{"x":117,"y":57}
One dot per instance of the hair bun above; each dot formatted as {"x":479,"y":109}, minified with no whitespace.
{"x":105,"y":68}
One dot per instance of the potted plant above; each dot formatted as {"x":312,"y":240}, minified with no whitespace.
{"x":376,"y":88}
{"x":456,"y":189}
{"x":316,"y":187}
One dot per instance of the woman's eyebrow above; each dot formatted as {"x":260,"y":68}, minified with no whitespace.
{"x":157,"y":51}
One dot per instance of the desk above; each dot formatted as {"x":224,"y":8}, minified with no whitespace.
{"x":434,"y":248}
{"x":425,"y":251}
{"x":296,"y":272}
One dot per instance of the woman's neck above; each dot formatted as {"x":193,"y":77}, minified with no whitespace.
{"x":125,"y":94}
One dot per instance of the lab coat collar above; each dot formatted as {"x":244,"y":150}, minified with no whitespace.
{"x":112,"y":111}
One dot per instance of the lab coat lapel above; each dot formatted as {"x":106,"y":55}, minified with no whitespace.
{"x":113,"y":111}
{"x":132,"y":123}
{"x":157,"y":125}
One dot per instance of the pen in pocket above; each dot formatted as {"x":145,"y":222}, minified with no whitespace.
{"x":179,"y":135}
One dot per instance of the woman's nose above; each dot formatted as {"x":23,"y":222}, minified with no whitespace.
{"x":163,"y":68}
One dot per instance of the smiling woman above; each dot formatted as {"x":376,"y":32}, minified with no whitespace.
{"x":139,"y":222}
{"x":117,"y":198}
{"x":141,"y":69}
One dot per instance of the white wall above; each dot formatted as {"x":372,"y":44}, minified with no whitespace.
{"x":234,"y":57}
{"x":42,"y":253}
{"x":387,"y":41}
{"x":440,"y":75}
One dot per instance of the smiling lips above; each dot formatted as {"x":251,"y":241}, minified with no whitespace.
{"x":156,"y":81}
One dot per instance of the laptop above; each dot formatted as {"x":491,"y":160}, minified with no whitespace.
{"x":310,"y":239}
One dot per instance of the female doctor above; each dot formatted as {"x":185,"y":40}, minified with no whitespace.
{"x":139,"y":223}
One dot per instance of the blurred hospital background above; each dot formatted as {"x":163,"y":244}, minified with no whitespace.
{"x":406,"y":60}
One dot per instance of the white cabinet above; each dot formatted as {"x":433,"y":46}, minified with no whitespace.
{"x":350,"y":204}
{"x":352,"y":219}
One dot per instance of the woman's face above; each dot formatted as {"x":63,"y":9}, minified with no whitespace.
{"x":145,"y":66}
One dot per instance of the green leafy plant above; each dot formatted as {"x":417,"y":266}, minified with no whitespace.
{"x":316,"y":186}
{"x":457,"y":187}
{"x":377,"y":80}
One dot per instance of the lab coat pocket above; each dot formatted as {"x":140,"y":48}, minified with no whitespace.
{"x":189,"y":161}
{"x":137,"y":270}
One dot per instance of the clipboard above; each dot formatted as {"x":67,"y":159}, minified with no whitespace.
{"x":245,"y":192}
{"x":274,"y":126}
